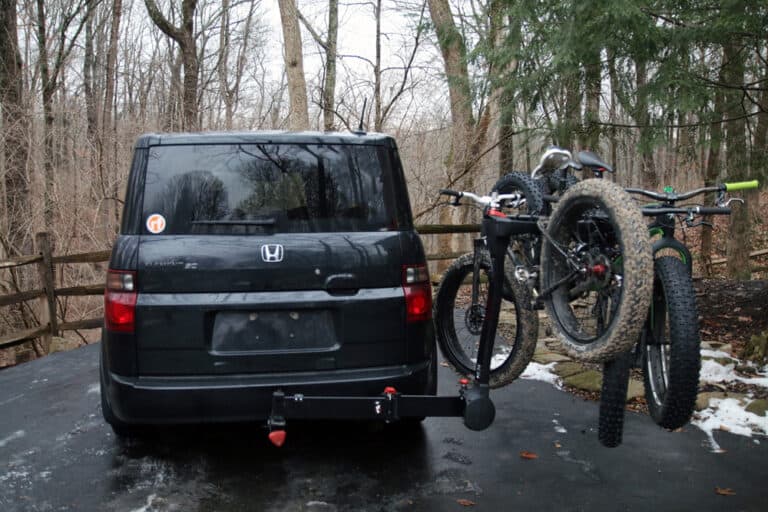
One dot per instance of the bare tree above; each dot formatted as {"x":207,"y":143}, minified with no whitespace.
{"x":184,"y":36}
{"x":230,"y":89}
{"x":16,"y":133}
{"x":298,"y":117}
{"x":108,"y":136}
{"x":329,"y":46}
{"x":50,"y":73}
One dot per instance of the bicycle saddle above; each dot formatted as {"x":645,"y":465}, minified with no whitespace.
{"x":594,"y":162}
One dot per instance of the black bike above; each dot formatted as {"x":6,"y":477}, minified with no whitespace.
{"x":669,"y":347}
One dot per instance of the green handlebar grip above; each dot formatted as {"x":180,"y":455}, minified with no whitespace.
{"x":741,"y":185}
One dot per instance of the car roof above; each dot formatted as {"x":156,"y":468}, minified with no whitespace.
{"x":263,"y":137}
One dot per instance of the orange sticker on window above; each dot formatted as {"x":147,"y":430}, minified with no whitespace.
{"x":156,"y":223}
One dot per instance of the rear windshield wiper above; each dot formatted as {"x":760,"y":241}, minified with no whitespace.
{"x":249,"y":222}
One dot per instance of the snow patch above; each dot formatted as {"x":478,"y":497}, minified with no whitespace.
{"x":16,"y":435}
{"x":717,"y":354}
{"x":148,"y":506}
{"x":728,"y":414}
{"x":14,"y":475}
{"x":499,"y":358}
{"x":559,"y":428}
{"x":542,"y":372}
{"x":712,"y":371}
{"x":93,"y":389}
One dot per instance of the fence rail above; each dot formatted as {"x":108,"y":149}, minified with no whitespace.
{"x":46,"y":296}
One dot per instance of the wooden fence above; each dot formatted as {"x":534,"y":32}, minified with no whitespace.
{"x":45,"y":261}
{"x":46,"y":296}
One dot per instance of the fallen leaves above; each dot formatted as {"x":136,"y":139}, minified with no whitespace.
{"x":528,"y":455}
{"x":465,"y":503}
{"x":725,"y":491}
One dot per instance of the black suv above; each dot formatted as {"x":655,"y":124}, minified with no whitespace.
{"x":252,"y":262}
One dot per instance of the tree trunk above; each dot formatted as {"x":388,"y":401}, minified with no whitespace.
{"x":466,"y":137}
{"x":329,"y":85}
{"x":648,"y":175}
{"x":89,"y":65}
{"x":505,"y":99}
{"x":226,"y":94}
{"x":593,"y":78}
{"x":298,"y":117}
{"x":612,"y":114}
{"x":377,"y":71}
{"x":710,"y":177}
{"x":107,"y":161}
{"x":16,"y":134}
{"x":737,"y":162}
{"x":49,"y":87}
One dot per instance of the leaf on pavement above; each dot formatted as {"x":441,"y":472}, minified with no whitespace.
{"x":725,"y":491}
{"x":465,"y":503}
{"x":528,"y":455}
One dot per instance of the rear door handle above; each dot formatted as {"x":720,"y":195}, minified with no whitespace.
{"x":342,"y":284}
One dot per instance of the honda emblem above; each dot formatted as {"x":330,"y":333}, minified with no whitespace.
{"x":272,"y":253}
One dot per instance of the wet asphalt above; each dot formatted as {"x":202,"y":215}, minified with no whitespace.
{"x":56,"y":453}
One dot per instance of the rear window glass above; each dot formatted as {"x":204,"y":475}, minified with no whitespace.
{"x":256,"y":188}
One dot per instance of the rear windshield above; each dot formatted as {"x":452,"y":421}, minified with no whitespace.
{"x":256,"y":188}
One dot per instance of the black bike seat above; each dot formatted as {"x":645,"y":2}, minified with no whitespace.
{"x":591,"y":160}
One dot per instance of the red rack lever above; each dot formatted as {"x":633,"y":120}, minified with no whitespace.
{"x":277,"y":437}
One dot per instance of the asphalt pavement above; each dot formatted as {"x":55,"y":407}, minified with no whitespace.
{"x":56,"y":453}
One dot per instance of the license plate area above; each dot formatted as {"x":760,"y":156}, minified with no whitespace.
{"x":273,"y":331}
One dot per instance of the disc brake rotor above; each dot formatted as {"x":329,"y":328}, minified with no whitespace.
{"x":474,"y":318}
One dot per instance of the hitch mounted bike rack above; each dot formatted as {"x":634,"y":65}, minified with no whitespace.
{"x":473,"y":402}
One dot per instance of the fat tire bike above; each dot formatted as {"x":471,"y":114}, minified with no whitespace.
{"x":581,"y":255}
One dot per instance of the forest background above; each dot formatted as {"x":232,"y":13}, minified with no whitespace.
{"x":671,"y":92}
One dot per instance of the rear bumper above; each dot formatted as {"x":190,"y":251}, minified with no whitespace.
{"x":175,"y":400}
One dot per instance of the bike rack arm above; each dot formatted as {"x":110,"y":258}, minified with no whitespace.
{"x":389,"y":406}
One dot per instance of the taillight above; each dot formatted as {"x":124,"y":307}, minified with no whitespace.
{"x":120,"y":301}
{"x":418,"y":293}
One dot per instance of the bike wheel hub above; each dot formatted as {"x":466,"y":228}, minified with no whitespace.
{"x":474,"y":318}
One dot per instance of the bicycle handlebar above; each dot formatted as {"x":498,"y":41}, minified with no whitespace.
{"x":700,"y":210}
{"x":481,"y":200}
{"x":672,"y":196}
{"x":741,"y":185}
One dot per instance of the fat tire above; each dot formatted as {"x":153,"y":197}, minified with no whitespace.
{"x":522,"y":182}
{"x":629,"y":314}
{"x":558,"y":184}
{"x":613,"y":397}
{"x":527,"y":322}
{"x":673,"y":290}
{"x":534,"y":191}
{"x":552,"y":185}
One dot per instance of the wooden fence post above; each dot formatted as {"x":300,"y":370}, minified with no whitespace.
{"x":48,"y":301}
